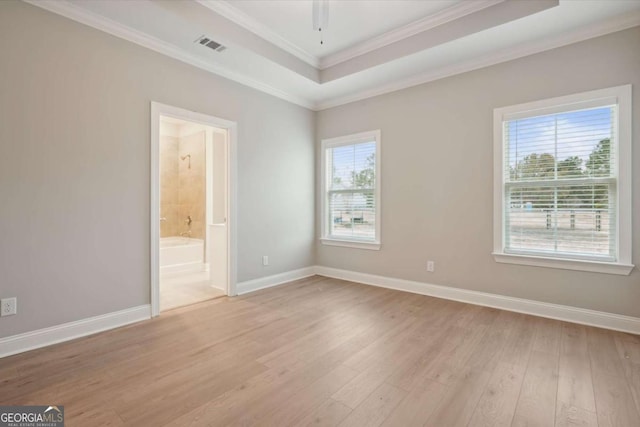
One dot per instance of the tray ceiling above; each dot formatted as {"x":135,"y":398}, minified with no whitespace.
{"x":371,"y":47}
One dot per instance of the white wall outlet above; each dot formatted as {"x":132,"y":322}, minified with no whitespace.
{"x":265,"y":260}
{"x":431,"y":266}
{"x":8,"y":306}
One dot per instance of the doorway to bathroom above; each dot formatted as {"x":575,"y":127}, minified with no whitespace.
{"x":192,"y":207}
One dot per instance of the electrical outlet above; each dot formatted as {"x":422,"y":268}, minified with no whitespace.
{"x":431,"y":266}
{"x":8,"y":306}
{"x":265,"y":260}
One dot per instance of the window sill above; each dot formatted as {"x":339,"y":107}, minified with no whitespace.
{"x":372,"y":246}
{"x":564,"y":263}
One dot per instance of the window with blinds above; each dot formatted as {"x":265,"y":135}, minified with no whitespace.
{"x":350,"y":189}
{"x":560,"y":183}
{"x":563,"y":178}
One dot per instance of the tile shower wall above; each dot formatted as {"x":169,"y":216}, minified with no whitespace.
{"x":182,"y":189}
{"x":169,"y":186}
{"x":191,"y":188}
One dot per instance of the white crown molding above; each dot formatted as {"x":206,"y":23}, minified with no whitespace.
{"x":428,"y":22}
{"x":247,"y":22}
{"x":619,"y":23}
{"x":68,"y":331}
{"x":274,"y":280}
{"x":600,"y":319}
{"x":109,"y":26}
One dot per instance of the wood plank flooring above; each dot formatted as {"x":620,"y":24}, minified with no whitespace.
{"x":325,"y":352}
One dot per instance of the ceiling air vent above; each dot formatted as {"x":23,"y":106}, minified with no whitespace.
{"x":206,"y":41}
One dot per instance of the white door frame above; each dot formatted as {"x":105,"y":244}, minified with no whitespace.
{"x":157,"y":110}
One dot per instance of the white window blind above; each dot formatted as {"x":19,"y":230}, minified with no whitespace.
{"x":560,"y":179}
{"x":350,"y":187}
{"x":351,"y":195}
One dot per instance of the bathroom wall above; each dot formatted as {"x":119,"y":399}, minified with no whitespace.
{"x":191,"y":184}
{"x":169,"y":179}
{"x":182,"y":182}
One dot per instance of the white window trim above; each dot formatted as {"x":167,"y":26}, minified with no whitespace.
{"x":620,"y":95}
{"x":338,"y":142}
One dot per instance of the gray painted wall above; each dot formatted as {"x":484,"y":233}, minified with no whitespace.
{"x":437,"y":171}
{"x":74,"y":168}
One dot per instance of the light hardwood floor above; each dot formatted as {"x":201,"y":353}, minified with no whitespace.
{"x":327,"y":352}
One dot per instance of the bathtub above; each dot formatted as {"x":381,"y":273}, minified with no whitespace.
{"x":181,"y":255}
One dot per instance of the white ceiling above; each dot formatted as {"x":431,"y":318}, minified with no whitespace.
{"x":350,"y":22}
{"x":271,"y":45}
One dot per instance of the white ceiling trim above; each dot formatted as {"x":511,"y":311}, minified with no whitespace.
{"x":428,"y":22}
{"x":610,"y":26}
{"x":114,"y":28}
{"x":251,"y":24}
{"x":247,"y":22}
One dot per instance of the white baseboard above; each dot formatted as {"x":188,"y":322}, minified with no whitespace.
{"x":80,"y":328}
{"x":67,"y":331}
{"x":566,"y":313}
{"x":275,"y":280}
